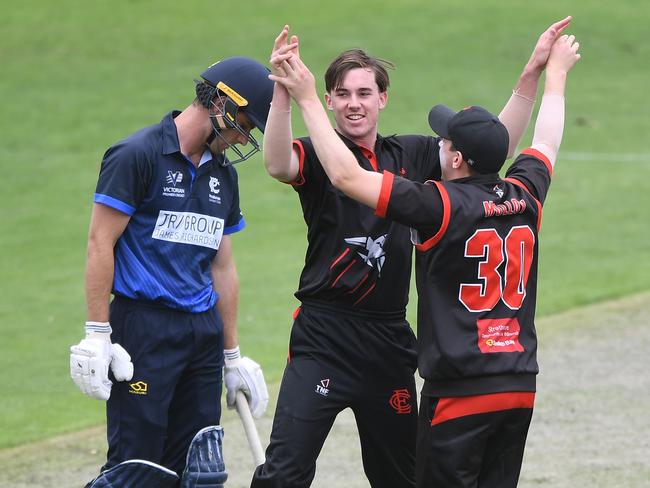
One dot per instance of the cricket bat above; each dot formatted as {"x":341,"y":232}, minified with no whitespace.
{"x":249,"y":428}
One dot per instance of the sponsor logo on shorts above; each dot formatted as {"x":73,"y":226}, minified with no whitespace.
{"x":323,"y":387}
{"x":400,"y":401}
{"x":189,"y":228}
{"x":138,"y":388}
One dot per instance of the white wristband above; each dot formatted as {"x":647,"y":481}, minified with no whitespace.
{"x":101,"y":327}
{"x":232,"y":356}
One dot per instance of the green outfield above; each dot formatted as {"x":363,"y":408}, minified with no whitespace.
{"x":77,"y":76}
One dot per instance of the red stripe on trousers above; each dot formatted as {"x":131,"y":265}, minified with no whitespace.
{"x":454,"y":407}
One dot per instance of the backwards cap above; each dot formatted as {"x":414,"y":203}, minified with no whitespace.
{"x":476,"y":133}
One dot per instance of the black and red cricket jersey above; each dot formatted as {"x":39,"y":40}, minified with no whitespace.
{"x":476,"y":274}
{"x":356,"y":259}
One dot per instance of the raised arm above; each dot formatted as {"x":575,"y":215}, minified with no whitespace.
{"x":280,"y":160}
{"x":519,"y":107}
{"x":549,"y":126}
{"x":338,"y":161}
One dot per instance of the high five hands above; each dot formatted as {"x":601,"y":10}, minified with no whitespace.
{"x":288,"y":70}
{"x":547,"y":39}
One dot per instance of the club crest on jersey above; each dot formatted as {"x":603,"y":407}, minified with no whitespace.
{"x":214,"y":190}
{"x":498,"y":190}
{"x":323,"y":387}
{"x":374,"y":255}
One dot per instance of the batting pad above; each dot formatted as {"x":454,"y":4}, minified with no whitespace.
{"x":136,"y":473}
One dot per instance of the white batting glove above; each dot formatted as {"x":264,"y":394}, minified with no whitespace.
{"x":245,"y":375}
{"x":121,"y":364}
{"x":91,"y":358}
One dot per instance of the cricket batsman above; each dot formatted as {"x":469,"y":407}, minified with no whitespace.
{"x":165,"y":207}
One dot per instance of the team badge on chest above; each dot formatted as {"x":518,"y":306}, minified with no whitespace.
{"x":214,"y":190}
{"x":173,"y":179}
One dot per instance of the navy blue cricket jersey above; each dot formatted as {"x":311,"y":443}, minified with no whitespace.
{"x":179,"y":213}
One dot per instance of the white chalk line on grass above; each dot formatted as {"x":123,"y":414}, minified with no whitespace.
{"x":613,"y":157}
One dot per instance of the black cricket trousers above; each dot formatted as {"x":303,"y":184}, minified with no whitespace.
{"x":342,"y":359}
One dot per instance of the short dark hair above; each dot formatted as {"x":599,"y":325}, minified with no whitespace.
{"x":357,"y":58}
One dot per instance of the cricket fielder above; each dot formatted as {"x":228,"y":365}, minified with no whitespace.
{"x":477,"y":237}
{"x":351,"y":346}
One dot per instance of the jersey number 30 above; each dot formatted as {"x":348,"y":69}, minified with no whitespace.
{"x":518,"y":255}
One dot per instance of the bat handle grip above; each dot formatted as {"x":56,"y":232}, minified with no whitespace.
{"x":249,"y":428}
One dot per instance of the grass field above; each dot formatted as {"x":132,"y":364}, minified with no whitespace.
{"x":566,"y":447}
{"x":77,"y":76}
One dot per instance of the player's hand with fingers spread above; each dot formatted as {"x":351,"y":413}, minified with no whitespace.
{"x":245,"y":375}
{"x":91,"y":359}
{"x":564,"y":55}
{"x":278,"y":58}
{"x":298,"y":80}
{"x":538,"y":59}
{"x":283,"y":50}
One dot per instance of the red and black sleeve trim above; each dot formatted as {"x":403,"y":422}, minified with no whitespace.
{"x":515,"y":181}
{"x":541,"y":156}
{"x":446,"y":216}
{"x":384,"y":194}
{"x":300,"y":179}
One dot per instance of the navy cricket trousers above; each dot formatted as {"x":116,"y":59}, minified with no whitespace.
{"x":176,"y":386}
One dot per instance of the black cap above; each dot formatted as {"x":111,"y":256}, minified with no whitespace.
{"x":246,"y":81}
{"x":476,"y":133}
